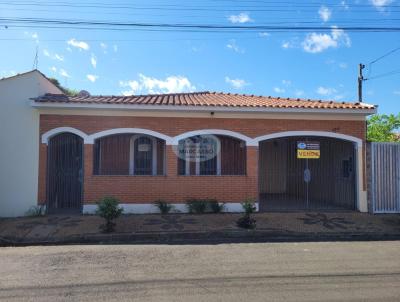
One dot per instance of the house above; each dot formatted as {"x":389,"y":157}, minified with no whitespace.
{"x":287,"y":154}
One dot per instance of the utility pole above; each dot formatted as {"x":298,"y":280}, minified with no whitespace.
{"x":360,"y":81}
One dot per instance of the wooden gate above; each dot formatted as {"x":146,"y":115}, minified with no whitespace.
{"x":65,"y":173}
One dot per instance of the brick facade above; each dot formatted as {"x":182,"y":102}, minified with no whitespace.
{"x":171,"y":187}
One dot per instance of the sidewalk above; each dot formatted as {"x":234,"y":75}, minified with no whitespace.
{"x":207,"y":228}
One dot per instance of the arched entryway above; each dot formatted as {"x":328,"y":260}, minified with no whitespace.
{"x":307,"y":173}
{"x":65,"y":173}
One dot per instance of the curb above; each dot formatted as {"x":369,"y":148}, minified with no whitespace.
{"x":216,"y":237}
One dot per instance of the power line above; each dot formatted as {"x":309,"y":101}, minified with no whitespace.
{"x":378,"y":59}
{"x":32,"y":22}
{"x":385,"y":55}
{"x":382,"y":75}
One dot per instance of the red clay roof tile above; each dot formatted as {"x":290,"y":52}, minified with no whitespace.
{"x":207,"y":99}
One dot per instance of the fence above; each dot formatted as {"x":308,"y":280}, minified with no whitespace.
{"x":383,"y":167}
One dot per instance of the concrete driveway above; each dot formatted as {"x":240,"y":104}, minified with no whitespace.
{"x":345,"y":271}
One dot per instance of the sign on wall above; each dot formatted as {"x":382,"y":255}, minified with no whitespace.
{"x":309,"y":150}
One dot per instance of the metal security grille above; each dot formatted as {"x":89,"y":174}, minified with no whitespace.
{"x":385,"y":177}
{"x":232,"y":158}
{"x":127,"y":154}
{"x":65,"y":173}
{"x":288,"y":182}
{"x":143,"y":156}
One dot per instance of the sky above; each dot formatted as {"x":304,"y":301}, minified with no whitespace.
{"x":116,"y":60}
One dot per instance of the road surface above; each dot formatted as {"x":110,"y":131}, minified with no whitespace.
{"x":346,"y":271}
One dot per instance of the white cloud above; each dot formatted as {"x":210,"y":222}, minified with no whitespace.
{"x":92,"y":78}
{"x":115,"y":47}
{"x":326,"y":91}
{"x":286,"y":82}
{"x":58,"y":57}
{"x":32,"y":35}
{"x":78,"y":44}
{"x":287,"y":45}
{"x":381,"y":4}
{"x":93,"y":60}
{"x":53,"y":69}
{"x":241,"y":18}
{"x":63,"y":73}
{"x":299,"y":93}
{"x":324,"y":13}
{"x":53,"y":56}
{"x":315,"y":42}
{"x":232,"y":45}
{"x":264,"y":34}
{"x":343,"y":65}
{"x":145,"y":84}
{"x":339,"y":97}
{"x":344,"y":5}
{"x":7,"y":73}
{"x":279,"y":90}
{"x":104,"y":47}
{"x":236,"y":83}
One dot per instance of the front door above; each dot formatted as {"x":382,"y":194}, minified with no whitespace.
{"x":65,"y":174}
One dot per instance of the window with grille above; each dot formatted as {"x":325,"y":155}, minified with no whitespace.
{"x":229,"y":157}
{"x":127,"y":154}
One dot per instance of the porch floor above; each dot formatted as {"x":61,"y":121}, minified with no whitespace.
{"x":287,"y":203}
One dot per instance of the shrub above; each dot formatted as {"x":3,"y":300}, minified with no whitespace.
{"x":200,"y":206}
{"x":108,"y":208}
{"x":246,"y":221}
{"x":197,"y":206}
{"x":36,"y":211}
{"x":214,"y":206}
{"x":249,"y":206}
{"x":163,"y":206}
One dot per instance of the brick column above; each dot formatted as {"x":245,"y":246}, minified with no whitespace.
{"x":171,"y":162}
{"x":88,"y":170}
{"x":42,"y":179}
{"x":252,"y":171}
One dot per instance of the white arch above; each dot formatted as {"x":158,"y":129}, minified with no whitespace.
{"x":353,"y":139}
{"x":49,"y":134}
{"x":249,"y":141}
{"x":94,"y":136}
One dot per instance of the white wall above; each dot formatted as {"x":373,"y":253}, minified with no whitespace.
{"x":19,"y":142}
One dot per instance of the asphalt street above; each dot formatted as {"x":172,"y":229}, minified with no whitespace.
{"x":332,"y":271}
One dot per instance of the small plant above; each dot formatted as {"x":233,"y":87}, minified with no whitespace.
{"x":108,"y":208}
{"x":246,"y":221}
{"x":163,"y":206}
{"x":197,"y":206}
{"x":35,"y":211}
{"x":214,"y":206}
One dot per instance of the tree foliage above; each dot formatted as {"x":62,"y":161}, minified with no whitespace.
{"x":382,"y":128}
{"x":65,"y":90}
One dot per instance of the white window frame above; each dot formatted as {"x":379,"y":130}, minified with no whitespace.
{"x":197,"y":170}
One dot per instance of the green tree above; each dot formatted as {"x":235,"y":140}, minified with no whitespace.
{"x":382,"y":128}
{"x":65,"y":90}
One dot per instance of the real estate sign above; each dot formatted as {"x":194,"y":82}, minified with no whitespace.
{"x":309,"y":150}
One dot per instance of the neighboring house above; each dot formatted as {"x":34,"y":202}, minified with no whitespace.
{"x":287,"y":154}
{"x":19,"y":133}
